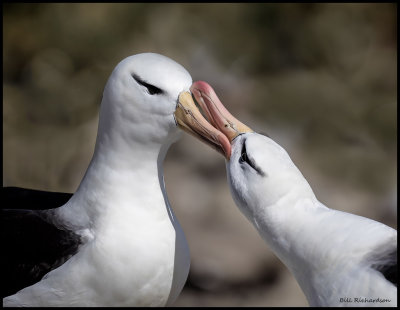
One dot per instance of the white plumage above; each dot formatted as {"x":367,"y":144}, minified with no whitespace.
{"x":331,"y":253}
{"x":339,"y":259}
{"x":133,"y":251}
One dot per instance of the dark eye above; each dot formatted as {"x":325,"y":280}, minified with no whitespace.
{"x":153,"y":90}
{"x":244,"y":158}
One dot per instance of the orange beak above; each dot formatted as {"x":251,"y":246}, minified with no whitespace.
{"x":217,"y":114}
{"x":189,"y":118}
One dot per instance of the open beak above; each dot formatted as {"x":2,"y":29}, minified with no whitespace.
{"x":215,"y":111}
{"x":189,"y":118}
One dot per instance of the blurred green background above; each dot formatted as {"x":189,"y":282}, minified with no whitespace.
{"x":320,"y":79}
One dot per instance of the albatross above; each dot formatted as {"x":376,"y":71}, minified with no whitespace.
{"x":338,"y":258}
{"x":116,"y":240}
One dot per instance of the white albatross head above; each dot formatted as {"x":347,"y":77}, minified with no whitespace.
{"x":328,"y":251}
{"x":260,"y":172}
{"x":145,"y":100}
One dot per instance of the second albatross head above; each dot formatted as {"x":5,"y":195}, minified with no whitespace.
{"x":260,"y":172}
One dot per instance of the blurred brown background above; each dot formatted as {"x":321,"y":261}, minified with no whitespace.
{"x":320,"y":79}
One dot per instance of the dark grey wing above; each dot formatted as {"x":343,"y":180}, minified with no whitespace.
{"x":32,"y":199}
{"x":31,"y":245}
{"x":384,"y":260}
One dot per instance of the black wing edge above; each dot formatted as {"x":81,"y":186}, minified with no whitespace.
{"x":386,"y":264}
{"x":22,"y":198}
{"x":31,"y":247}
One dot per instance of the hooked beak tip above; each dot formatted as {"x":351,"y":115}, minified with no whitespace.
{"x":216,"y":112}
{"x":189,"y":118}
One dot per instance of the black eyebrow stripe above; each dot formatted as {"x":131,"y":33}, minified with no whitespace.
{"x":151,"y":88}
{"x":250,"y":161}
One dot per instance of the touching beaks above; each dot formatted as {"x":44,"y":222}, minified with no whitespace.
{"x":215,"y":111}
{"x":223,"y":128}
{"x":189,"y":118}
